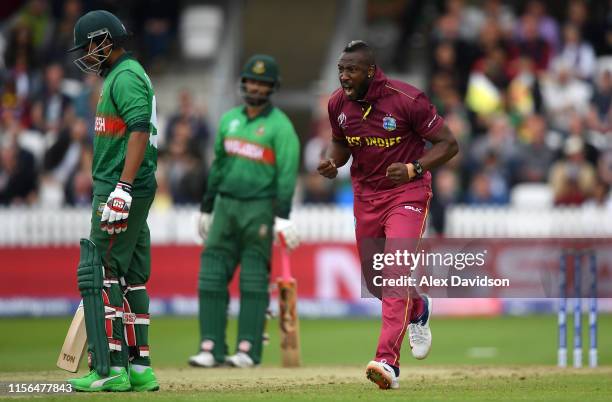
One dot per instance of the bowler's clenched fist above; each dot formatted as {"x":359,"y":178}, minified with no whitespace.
{"x":327,"y":168}
{"x":400,"y":173}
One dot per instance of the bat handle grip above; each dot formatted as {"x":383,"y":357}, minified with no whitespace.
{"x":285,"y":265}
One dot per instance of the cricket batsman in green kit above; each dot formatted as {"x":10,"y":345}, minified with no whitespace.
{"x":115,"y":261}
{"x":246,"y":205}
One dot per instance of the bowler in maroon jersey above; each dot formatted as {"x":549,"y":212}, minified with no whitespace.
{"x":384,"y":125}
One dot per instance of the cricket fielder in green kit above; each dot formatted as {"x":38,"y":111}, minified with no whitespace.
{"x":115,"y":261}
{"x":247,"y":204}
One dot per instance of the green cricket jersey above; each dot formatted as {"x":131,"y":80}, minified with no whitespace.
{"x":126,"y":104}
{"x":255,"y":159}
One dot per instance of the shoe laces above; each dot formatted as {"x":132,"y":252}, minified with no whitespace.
{"x":418,"y":333}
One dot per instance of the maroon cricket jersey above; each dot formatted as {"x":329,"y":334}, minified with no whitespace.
{"x":389,"y":125}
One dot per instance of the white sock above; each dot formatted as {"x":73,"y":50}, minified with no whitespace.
{"x":139,"y":368}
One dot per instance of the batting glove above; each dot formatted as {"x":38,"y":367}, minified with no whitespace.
{"x":286,"y":229}
{"x":204,"y":224}
{"x":117,"y":208}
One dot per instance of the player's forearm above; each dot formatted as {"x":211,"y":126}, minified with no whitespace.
{"x":137,"y":145}
{"x":339,"y":152}
{"x":444,"y":147}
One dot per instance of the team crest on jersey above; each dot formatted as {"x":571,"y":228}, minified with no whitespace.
{"x":259,"y":67}
{"x":342,"y":120}
{"x":260,"y":131}
{"x":389,"y":123}
{"x":233,"y":126}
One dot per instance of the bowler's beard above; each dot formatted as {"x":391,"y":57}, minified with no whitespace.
{"x":362,"y":90}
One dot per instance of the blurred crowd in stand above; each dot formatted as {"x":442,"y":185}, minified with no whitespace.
{"x":47,"y":105}
{"x":527,"y":94}
{"x":526,"y":90}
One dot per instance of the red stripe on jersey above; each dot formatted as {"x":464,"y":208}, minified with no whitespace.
{"x":109,"y":126}
{"x":249,"y":150}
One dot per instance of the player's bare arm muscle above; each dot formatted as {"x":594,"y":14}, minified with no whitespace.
{"x":444,"y":147}
{"x":137,"y":144}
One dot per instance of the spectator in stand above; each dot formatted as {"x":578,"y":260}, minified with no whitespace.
{"x":63,"y":157}
{"x":55,"y":106}
{"x":445,"y":62}
{"x":469,"y":17}
{"x":487,"y":190}
{"x":487,"y":83}
{"x":577,"y":128}
{"x":501,"y":14}
{"x":604,"y":42}
{"x":186,"y":173}
{"x":578,"y":15}
{"x":523,"y":96}
{"x":36,"y":16}
{"x":546,"y":26}
{"x":600,"y":113}
{"x":577,"y":54}
{"x":63,"y":38}
{"x":78,"y":190}
{"x":572,"y":178}
{"x":18,"y":178}
{"x":490,"y":68}
{"x":490,"y":38}
{"x":21,"y":74}
{"x":535,"y":157}
{"x":604,"y":167}
{"x":563,"y":94}
{"x":158,"y":20}
{"x":531,"y":45}
{"x":188,"y":112}
{"x":446,"y":29}
{"x":497,"y":149}
{"x":445,"y":194}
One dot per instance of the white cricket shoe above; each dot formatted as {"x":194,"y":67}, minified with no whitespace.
{"x":381,"y":374}
{"x":419,"y":332}
{"x":240,"y":360}
{"x":203,"y":359}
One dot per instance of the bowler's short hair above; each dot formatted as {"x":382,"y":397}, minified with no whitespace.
{"x":361,"y":46}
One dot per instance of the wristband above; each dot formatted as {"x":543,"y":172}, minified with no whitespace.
{"x":127,"y":187}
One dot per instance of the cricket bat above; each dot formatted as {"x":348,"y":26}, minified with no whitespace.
{"x":288,"y":318}
{"x":75,"y":343}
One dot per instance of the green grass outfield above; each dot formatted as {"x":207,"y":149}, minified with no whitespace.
{"x":477,"y":359}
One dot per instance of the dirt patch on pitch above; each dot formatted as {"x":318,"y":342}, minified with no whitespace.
{"x":267,"y":379}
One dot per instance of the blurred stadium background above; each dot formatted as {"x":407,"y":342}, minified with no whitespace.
{"x":526,"y":86}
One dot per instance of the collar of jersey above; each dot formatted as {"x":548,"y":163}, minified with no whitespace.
{"x":121,"y":59}
{"x":264,"y":113}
